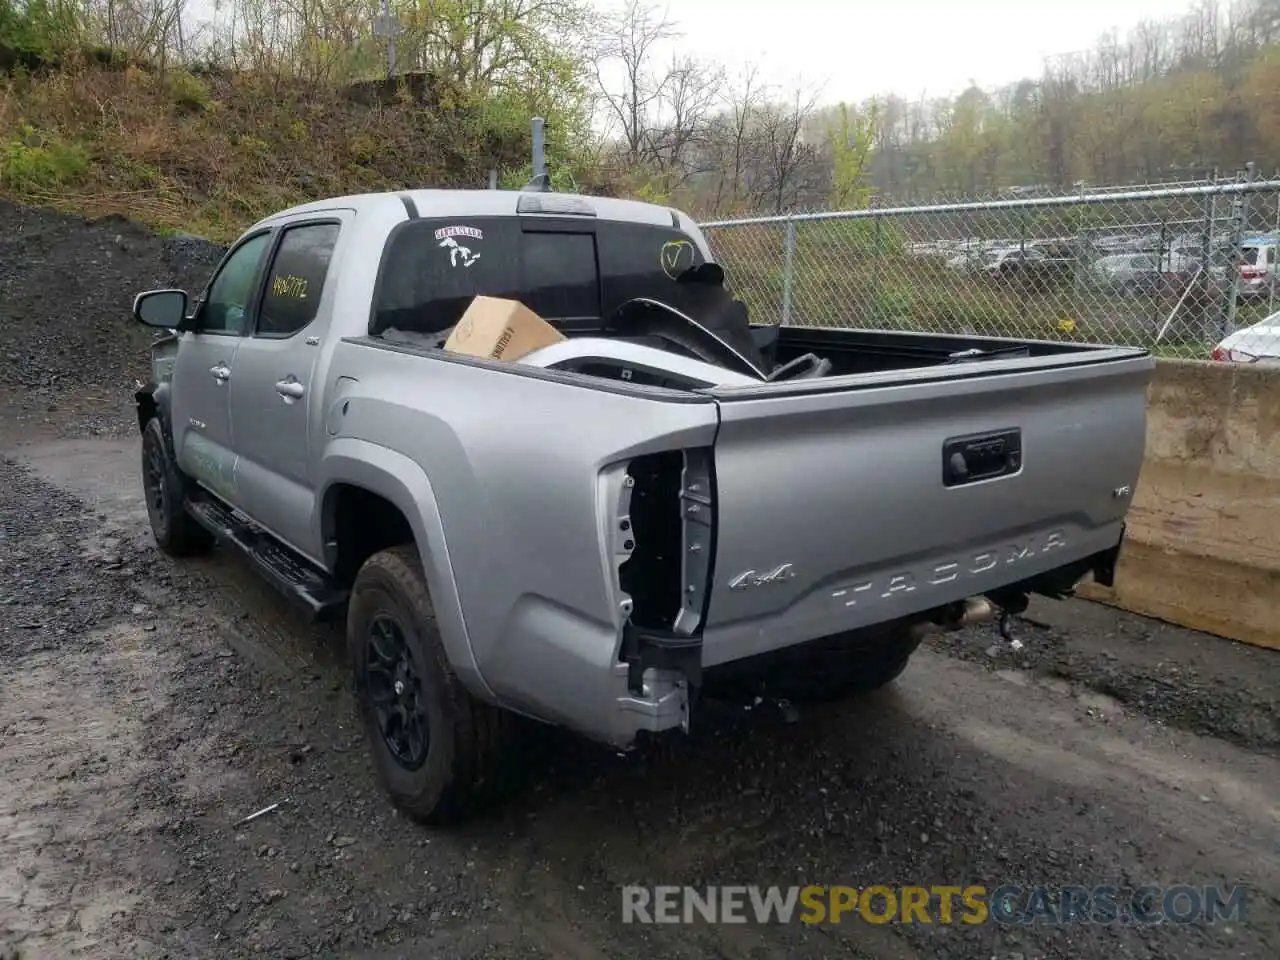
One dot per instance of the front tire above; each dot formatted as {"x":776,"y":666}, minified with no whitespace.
{"x":438,"y":751}
{"x":176,"y":531}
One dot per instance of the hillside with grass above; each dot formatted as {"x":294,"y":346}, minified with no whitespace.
{"x":106,"y":107}
{"x":210,"y":152}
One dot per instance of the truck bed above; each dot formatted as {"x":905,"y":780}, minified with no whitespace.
{"x":874,"y":351}
{"x":851,"y":352}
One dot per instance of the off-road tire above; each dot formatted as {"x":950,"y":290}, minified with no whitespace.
{"x":468,"y":751}
{"x":165,"y":488}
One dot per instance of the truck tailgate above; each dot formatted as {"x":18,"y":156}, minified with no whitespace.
{"x":856,"y":501}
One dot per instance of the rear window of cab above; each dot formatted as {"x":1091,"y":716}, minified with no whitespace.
{"x":568,"y":271}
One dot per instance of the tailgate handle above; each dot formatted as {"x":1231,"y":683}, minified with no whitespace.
{"x":983,"y":456}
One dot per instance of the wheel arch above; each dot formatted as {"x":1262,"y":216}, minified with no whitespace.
{"x":358,"y":475}
{"x":153,"y":402}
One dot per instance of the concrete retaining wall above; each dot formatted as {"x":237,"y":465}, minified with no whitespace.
{"x":1204,"y":535}
{"x":1217,"y":417}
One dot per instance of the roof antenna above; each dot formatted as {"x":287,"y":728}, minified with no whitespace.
{"x":540,"y":182}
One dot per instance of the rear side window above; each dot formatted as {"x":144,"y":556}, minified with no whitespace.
{"x":296,"y":279}
{"x":1249,"y":256}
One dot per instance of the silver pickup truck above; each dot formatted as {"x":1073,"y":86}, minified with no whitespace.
{"x":598,"y":541}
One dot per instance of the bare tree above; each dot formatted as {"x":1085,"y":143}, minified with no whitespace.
{"x":735,"y":132}
{"x":790,"y":163}
{"x":1151,"y":40}
{"x":689,"y":91}
{"x":141,"y":28}
{"x":629,"y":39}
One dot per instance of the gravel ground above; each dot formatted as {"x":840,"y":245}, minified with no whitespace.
{"x":69,"y":353}
{"x":1176,"y":677}
{"x":147,"y":706}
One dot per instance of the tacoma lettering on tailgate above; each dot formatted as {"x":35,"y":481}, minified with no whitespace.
{"x":941,"y":573}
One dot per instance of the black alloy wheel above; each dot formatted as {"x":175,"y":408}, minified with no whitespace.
{"x":396,"y":692}
{"x":155,"y":483}
{"x":163,"y":488}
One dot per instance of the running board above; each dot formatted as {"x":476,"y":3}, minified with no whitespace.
{"x":295,"y":577}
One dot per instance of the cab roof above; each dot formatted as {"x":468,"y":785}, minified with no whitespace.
{"x":477,"y":203}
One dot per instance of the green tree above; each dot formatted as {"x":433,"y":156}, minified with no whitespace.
{"x":850,"y":137}
{"x":39,"y":28}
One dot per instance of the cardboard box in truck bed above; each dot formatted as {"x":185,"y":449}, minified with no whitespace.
{"x":500,"y":329}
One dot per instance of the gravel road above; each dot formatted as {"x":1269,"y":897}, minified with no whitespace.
{"x":147,"y":706}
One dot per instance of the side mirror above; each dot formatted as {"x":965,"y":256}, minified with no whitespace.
{"x":161,"y":308}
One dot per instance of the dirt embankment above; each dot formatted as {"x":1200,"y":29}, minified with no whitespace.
{"x":70,"y":353}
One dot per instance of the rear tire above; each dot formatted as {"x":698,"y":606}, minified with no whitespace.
{"x":440,"y":753}
{"x":176,"y":531}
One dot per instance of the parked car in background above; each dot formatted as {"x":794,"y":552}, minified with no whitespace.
{"x":1062,"y":248}
{"x":967,"y":260}
{"x":1180,"y":269}
{"x":1028,"y":266}
{"x":1004,"y":261}
{"x":1131,"y":273}
{"x":1191,"y":246}
{"x":1145,"y":273}
{"x":1258,"y":257}
{"x":1259,"y":343}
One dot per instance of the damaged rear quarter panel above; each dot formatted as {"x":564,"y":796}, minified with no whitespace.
{"x":514,"y":464}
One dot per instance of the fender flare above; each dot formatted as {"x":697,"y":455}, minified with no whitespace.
{"x":151,"y":401}
{"x":154,"y":401}
{"x":402,"y":482}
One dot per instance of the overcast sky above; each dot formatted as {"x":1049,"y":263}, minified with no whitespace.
{"x":855,"y":49}
{"x":859,"y":48}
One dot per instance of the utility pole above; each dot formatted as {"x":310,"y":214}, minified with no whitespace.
{"x":386,"y":27}
{"x":539,"y":150}
{"x":539,"y":181}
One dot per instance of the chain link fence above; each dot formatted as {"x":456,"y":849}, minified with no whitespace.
{"x":1188,"y":270}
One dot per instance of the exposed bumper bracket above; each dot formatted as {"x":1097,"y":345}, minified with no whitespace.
{"x":1105,"y":563}
{"x":644,"y":649}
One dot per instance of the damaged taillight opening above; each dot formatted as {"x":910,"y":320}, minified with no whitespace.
{"x":670,"y":553}
{"x":648,"y":576}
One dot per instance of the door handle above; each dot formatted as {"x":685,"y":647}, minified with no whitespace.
{"x":290,"y":388}
{"x":221,"y":372}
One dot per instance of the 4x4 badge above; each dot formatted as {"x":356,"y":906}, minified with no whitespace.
{"x":749,"y":578}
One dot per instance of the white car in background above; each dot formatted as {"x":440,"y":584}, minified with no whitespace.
{"x":1259,"y":257}
{"x":1259,"y":343}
